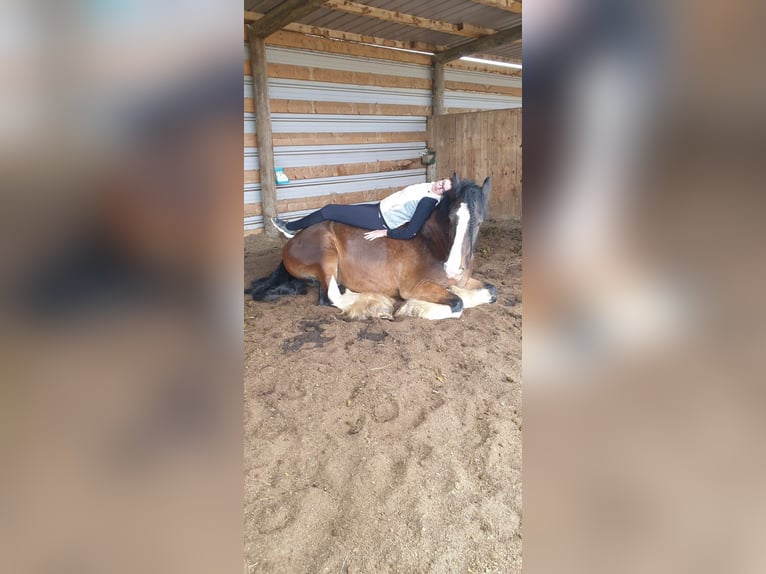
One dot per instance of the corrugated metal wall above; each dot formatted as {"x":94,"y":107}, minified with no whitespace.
{"x":349,"y":128}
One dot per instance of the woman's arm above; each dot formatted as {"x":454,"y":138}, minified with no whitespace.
{"x":411,"y":228}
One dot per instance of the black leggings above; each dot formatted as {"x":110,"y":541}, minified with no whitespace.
{"x":366,"y":216}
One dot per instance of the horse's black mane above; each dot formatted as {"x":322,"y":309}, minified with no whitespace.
{"x":464,"y":187}
{"x":436,"y":231}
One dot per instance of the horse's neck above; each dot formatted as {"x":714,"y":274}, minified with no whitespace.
{"x":435,"y":232}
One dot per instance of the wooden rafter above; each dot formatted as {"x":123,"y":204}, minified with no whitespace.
{"x":349,"y":36}
{"x":479,"y":45}
{"x":285,"y":13}
{"x":363,"y":39}
{"x":464,"y":29}
{"x":507,"y":5}
{"x":463,"y":65}
{"x":499,"y":58}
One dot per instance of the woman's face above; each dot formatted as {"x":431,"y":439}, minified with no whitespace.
{"x":442,"y":185}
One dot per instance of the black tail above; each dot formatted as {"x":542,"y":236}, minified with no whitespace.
{"x":276,"y":285}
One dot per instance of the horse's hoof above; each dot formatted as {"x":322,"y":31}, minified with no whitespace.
{"x":457,"y":305}
{"x":324,"y":299}
{"x":492,"y":292}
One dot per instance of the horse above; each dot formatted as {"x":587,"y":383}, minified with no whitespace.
{"x":430,"y":272}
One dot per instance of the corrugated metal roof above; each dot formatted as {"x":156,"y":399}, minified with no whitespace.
{"x":261,"y":6}
{"x":449,"y":11}
{"x":509,"y":52}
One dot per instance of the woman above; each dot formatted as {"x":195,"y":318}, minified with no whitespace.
{"x":399,"y":216}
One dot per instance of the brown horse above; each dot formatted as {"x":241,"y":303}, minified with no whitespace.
{"x":431,"y":272}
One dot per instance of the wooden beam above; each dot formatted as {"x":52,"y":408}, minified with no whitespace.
{"x":263,"y":135}
{"x":349,"y":36}
{"x":476,"y":67}
{"x":284,"y":13}
{"x":289,"y":39}
{"x":437,"y":102}
{"x":467,"y":30}
{"x":437,"y":107}
{"x":347,"y":138}
{"x":362,"y":39}
{"x":480,"y":44}
{"x":507,"y":5}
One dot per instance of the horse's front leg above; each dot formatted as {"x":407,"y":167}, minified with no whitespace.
{"x":430,"y":300}
{"x":475,"y":293}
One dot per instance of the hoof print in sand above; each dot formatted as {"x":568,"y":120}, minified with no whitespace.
{"x":274,"y":517}
{"x":385,"y":409}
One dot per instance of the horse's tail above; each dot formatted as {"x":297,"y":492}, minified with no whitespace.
{"x":276,"y":285}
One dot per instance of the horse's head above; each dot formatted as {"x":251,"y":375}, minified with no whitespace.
{"x":467,"y":210}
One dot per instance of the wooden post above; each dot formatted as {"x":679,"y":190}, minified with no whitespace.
{"x":437,"y":98}
{"x":263,"y":137}
{"x":437,"y":109}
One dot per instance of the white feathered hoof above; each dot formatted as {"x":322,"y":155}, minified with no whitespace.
{"x":360,"y":305}
{"x":427,"y":310}
{"x":371,"y":306}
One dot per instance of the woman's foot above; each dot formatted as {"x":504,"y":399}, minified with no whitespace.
{"x":282,"y":227}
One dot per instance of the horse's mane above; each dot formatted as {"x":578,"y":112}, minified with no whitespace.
{"x":436,"y":230}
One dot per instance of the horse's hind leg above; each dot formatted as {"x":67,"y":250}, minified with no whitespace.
{"x":430,"y":300}
{"x":312,"y":255}
{"x":323,"y":298}
{"x":328,"y":268}
{"x":360,"y":305}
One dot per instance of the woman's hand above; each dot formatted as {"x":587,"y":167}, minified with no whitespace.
{"x":372,"y":235}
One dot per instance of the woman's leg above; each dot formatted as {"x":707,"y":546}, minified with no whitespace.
{"x":366,"y":216}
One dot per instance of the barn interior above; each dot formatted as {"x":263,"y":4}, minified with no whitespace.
{"x":352,"y":101}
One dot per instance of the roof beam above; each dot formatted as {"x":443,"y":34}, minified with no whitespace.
{"x":463,"y":29}
{"x":496,"y":58}
{"x":479,"y":45}
{"x":507,"y":5}
{"x":285,"y":13}
{"x":349,"y":36}
{"x":362,"y":39}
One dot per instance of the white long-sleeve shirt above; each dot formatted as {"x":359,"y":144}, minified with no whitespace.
{"x":398,"y":208}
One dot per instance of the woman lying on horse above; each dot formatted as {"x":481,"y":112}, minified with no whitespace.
{"x":399,"y":216}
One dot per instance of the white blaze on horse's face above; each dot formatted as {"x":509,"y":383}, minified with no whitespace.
{"x":454,"y":264}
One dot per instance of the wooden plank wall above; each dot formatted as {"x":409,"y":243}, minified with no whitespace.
{"x":324,"y":94}
{"x":481,"y":144}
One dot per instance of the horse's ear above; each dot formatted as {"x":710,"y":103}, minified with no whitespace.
{"x":455,"y":182}
{"x":485,"y":189}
